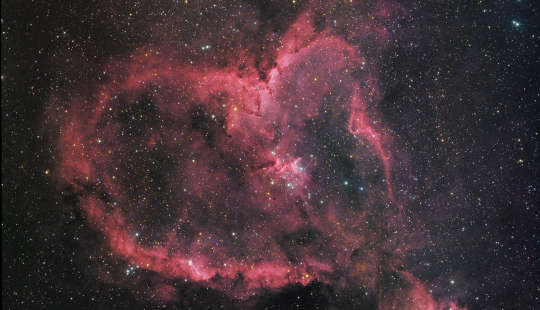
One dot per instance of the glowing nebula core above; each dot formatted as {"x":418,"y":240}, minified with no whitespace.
{"x":246,"y":177}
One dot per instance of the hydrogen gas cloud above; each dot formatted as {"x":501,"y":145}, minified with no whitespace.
{"x":247,"y":172}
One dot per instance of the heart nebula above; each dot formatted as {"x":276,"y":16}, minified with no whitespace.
{"x":242,"y":177}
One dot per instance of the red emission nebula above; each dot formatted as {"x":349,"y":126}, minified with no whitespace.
{"x":244,"y":179}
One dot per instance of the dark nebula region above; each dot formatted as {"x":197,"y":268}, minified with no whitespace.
{"x":255,"y":172}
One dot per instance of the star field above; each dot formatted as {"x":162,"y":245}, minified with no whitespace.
{"x":270,"y":155}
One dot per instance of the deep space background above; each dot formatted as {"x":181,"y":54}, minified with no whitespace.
{"x":459,"y":84}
